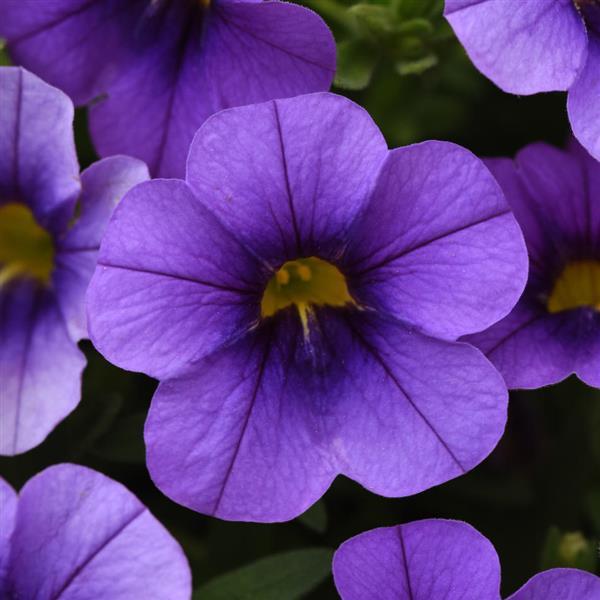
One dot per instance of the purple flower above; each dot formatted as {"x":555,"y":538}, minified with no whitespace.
{"x":161,"y":67}
{"x":435,"y":559}
{"x":74,"y":533}
{"x":299,"y":296}
{"x":47,"y":254}
{"x":555,"y":328}
{"x":534,"y":46}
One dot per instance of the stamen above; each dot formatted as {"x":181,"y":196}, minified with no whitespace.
{"x":578,"y":286}
{"x":305,"y":283}
{"x":26,"y":249}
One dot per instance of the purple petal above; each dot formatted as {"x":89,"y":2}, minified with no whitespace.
{"x":258,"y":430}
{"x":248,"y":442}
{"x":103,"y":186}
{"x":422,"y":560}
{"x":38,"y":163}
{"x":73,"y":44}
{"x":406,"y":411}
{"x":171,"y":283}
{"x":40,"y":367}
{"x":288,"y":185}
{"x":165,"y":67}
{"x":550,"y":192}
{"x":238,"y":53}
{"x":563,"y":584}
{"x":509,"y":41}
{"x":82,"y":536}
{"x":583,"y":102}
{"x":530,"y":347}
{"x":425,"y":227}
{"x":8,"y":513}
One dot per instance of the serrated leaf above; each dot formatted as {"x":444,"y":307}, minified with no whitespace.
{"x":288,"y":576}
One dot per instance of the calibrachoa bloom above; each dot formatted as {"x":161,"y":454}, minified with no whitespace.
{"x":73,"y":533}
{"x":156,"y":69}
{"x":555,"y":328}
{"x":298,"y":295}
{"x":530,"y":46}
{"x":439,"y":559}
{"x":48,"y":253}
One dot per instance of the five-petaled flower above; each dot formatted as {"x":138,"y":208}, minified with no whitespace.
{"x":154,"y":70}
{"x":48,"y":253}
{"x":73,"y":533}
{"x":530,"y":46}
{"x":299,"y":296}
{"x":435,"y":558}
{"x":555,"y":328}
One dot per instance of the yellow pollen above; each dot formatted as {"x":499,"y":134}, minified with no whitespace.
{"x":305,"y":283}
{"x":26,"y":249}
{"x":578,"y":286}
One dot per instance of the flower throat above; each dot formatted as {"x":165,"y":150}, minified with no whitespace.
{"x":305,"y":283}
{"x":578,"y":286}
{"x":26,"y":250}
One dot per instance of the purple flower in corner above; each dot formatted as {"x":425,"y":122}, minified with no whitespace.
{"x":434,"y":558}
{"x":554,"y":330}
{"x":534,"y":46}
{"x":47,"y":254}
{"x":73,"y":533}
{"x":299,"y":296}
{"x":156,"y":69}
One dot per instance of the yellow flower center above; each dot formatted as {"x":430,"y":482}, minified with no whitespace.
{"x":305,"y":283}
{"x":26,"y":250}
{"x":578,"y":286}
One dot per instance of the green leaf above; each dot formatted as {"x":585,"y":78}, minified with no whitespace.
{"x":372,"y":19}
{"x":288,"y":576}
{"x":315,"y":518}
{"x":416,"y":67}
{"x":356,"y":63}
{"x":4,"y":60}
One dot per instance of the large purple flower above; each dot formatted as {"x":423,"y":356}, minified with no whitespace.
{"x":555,"y":328}
{"x":161,"y":67}
{"x":73,"y":533}
{"x":299,"y":296}
{"x":530,"y":46}
{"x":47,"y":254}
{"x":435,"y":559}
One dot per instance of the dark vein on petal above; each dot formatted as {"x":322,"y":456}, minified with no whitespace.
{"x":52,"y":24}
{"x":175,"y":276}
{"x":77,"y":571}
{"x":180,"y":61}
{"x":17,"y":169}
{"x":33,"y":316}
{"x":233,"y":25}
{"x":373,"y":351}
{"x":406,"y":251}
{"x":259,"y":378}
{"x":513,"y":333}
{"x":405,"y":563}
{"x":287,"y":179}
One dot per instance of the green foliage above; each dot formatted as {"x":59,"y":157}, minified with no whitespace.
{"x":408,"y":34}
{"x":290,"y":575}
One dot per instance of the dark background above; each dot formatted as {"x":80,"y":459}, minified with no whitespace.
{"x":537,"y":497}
